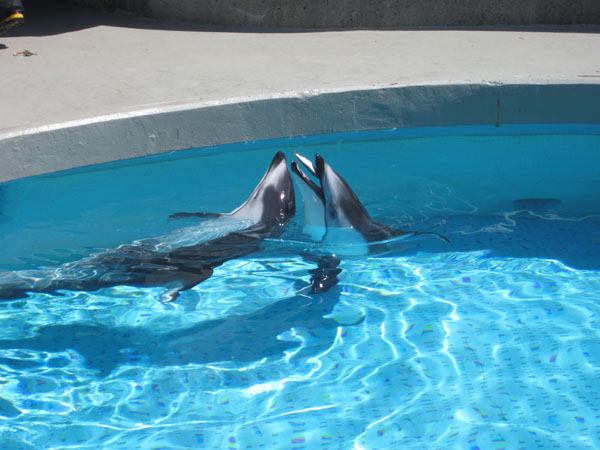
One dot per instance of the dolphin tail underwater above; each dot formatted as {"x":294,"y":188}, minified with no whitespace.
{"x":334,"y":213}
{"x":176,"y":268}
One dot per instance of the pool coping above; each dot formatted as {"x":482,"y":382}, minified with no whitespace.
{"x":151,"y":131}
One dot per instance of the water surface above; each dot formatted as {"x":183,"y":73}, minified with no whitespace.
{"x":490,"y":341}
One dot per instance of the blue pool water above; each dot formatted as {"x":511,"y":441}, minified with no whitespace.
{"x":489,"y":342}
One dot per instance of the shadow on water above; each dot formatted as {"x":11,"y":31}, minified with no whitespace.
{"x":523,"y":234}
{"x":240,"y":338}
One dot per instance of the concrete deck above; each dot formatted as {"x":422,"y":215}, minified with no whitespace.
{"x":94,"y":67}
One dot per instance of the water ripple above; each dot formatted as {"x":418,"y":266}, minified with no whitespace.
{"x":424,"y":351}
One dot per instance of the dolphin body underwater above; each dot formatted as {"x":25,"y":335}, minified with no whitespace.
{"x":173,"y":261}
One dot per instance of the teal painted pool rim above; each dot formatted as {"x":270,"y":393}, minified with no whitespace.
{"x":117,"y":137}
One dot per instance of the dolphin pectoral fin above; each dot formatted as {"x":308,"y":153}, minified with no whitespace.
{"x":183,"y":215}
{"x":380,"y":230}
{"x":186,"y":279}
{"x":172,"y":291}
{"x":440,"y":236}
{"x":170,"y":294}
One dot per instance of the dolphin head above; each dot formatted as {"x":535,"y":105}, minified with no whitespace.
{"x":342,"y":209}
{"x":332,"y":212}
{"x":273,"y":199}
{"x":313,"y":200}
{"x":333,"y":204}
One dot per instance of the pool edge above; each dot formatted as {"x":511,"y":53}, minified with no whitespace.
{"x":150,"y":131}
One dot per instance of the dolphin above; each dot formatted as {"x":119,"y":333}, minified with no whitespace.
{"x":178,"y":261}
{"x":333,"y":214}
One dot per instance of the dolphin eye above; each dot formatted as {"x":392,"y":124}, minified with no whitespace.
{"x":332,"y":213}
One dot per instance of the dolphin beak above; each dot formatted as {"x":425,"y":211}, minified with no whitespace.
{"x":306,"y":163}
{"x":318,"y":191}
{"x":320,"y":163}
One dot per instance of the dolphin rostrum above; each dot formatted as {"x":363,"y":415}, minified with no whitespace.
{"x":334,"y":215}
{"x":178,"y":261}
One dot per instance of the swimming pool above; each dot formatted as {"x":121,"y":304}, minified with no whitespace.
{"x":490,"y":341}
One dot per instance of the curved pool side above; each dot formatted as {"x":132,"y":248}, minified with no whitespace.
{"x":102,"y":139}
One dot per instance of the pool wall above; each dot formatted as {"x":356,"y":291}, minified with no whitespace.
{"x":153,"y":131}
{"x":359,"y":13}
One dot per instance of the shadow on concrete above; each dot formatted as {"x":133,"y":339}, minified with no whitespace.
{"x":52,"y":17}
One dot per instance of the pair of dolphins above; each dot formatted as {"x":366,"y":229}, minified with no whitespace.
{"x":178,"y":262}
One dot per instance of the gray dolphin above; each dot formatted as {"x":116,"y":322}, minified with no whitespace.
{"x":178,"y":261}
{"x":333,"y":214}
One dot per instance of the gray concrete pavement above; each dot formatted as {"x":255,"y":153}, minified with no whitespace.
{"x":94,"y":67}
